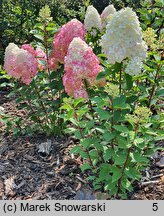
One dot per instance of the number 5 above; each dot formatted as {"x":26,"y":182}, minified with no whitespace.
{"x":155,"y":207}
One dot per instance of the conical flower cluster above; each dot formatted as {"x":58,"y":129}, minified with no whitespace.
{"x":80,"y":64}
{"x":62,"y":39}
{"x":20,"y":63}
{"x":92,"y":21}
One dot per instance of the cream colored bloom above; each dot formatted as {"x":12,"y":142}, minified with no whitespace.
{"x":92,"y":21}
{"x":109,"y":10}
{"x":123,"y":37}
{"x":134,"y":66}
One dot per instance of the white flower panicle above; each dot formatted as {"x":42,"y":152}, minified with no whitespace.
{"x":109,"y":10}
{"x":92,"y":20}
{"x":123,"y":37}
{"x":134,"y":66}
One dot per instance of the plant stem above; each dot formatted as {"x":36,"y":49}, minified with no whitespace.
{"x":41,"y":103}
{"x":120,"y":78}
{"x":37,"y":117}
{"x":47,"y":57}
{"x":153,"y":87}
{"x":122,"y":173}
{"x":82,"y":136}
{"x":112,"y":122}
{"x":89,"y":100}
{"x":92,"y":112}
{"x":60,"y":101}
{"x":126,"y":160}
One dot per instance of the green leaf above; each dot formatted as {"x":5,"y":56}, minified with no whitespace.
{"x":117,"y":173}
{"x":100,"y":129}
{"x":137,"y":157}
{"x":123,"y":142}
{"x":120,"y":103}
{"x":39,"y":37}
{"x":129,"y":81}
{"x":101,"y":75}
{"x":104,"y":115}
{"x":132,"y":173}
{"x":90,"y":124}
{"x":75,"y":149}
{"x":121,"y":128}
{"x":78,"y":101}
{"x":77,"y":134}
{"x":160,"y":93}
{"x":94,"y":154}
{"x":108,"y":154}
{"x":108,"y":136}
{"x":83,"y":154}
{"x":104,"y":171}
{"x":86,"y":142}
{"x":100,"y":102}
{"x":91,"y":178}
{"x":70,"y":130}
{"x":159,"y":138}
{"x":138,"y":141}
{"x":126,"y":184}
{"x":85,"y":166}
{"x":120,"y":159}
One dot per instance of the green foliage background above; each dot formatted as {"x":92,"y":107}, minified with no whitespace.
{"x":17,"y":18}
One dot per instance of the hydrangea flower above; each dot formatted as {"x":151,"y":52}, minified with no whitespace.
{"x":112,"y":90}
{"x":80,"y":64}
{"x":62,"y":39}
{"x":123,"y":37}
{"x":92,"y":21}
{"x":20,"y":63}
{"x":150,"y":38}
{"x":109,"y":10}
{"x":42,"y":59}
{"x":134,"y":66}
{"x":39,"y":54}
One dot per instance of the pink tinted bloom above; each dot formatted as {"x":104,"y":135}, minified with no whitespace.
{"x":62,"y":39}
{"x":20,"y":63}
{"x":39,"y":54}
{"x":109,"y":10}
{"x":29,"y":48}
{"x":42,"y":59}
{"x":80,"y":64}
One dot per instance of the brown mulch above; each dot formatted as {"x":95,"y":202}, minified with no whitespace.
{"x":26,"y":174}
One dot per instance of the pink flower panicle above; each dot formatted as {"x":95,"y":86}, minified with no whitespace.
{"x":20,"y":63}
{"x":42,"y":59}
{"x":39,"y":54}
{"x":80,"y":64}
{"x":62,"y":39}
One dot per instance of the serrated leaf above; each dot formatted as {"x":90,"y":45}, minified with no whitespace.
{"x":83,"y":154}
{"x":123,"y":142}
{"x":86,"y":142}
{"x":75,"y":149}
{"x":120,"y":159}
{"x":39,"y":37}
{"x":108,"y":136}
{"x":138,"y":141}
{"x":108,"y":154}
{"x":133,"y":173}
{"x":117,"y":173}
{"x":137,"y":157}
{"x":104,"y":115}
{"x":85,"y":166}
{"x":121,"y":128}
{"x":126,"y":184}
{"x":94,"y":154}
{"x":129,"y":81}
